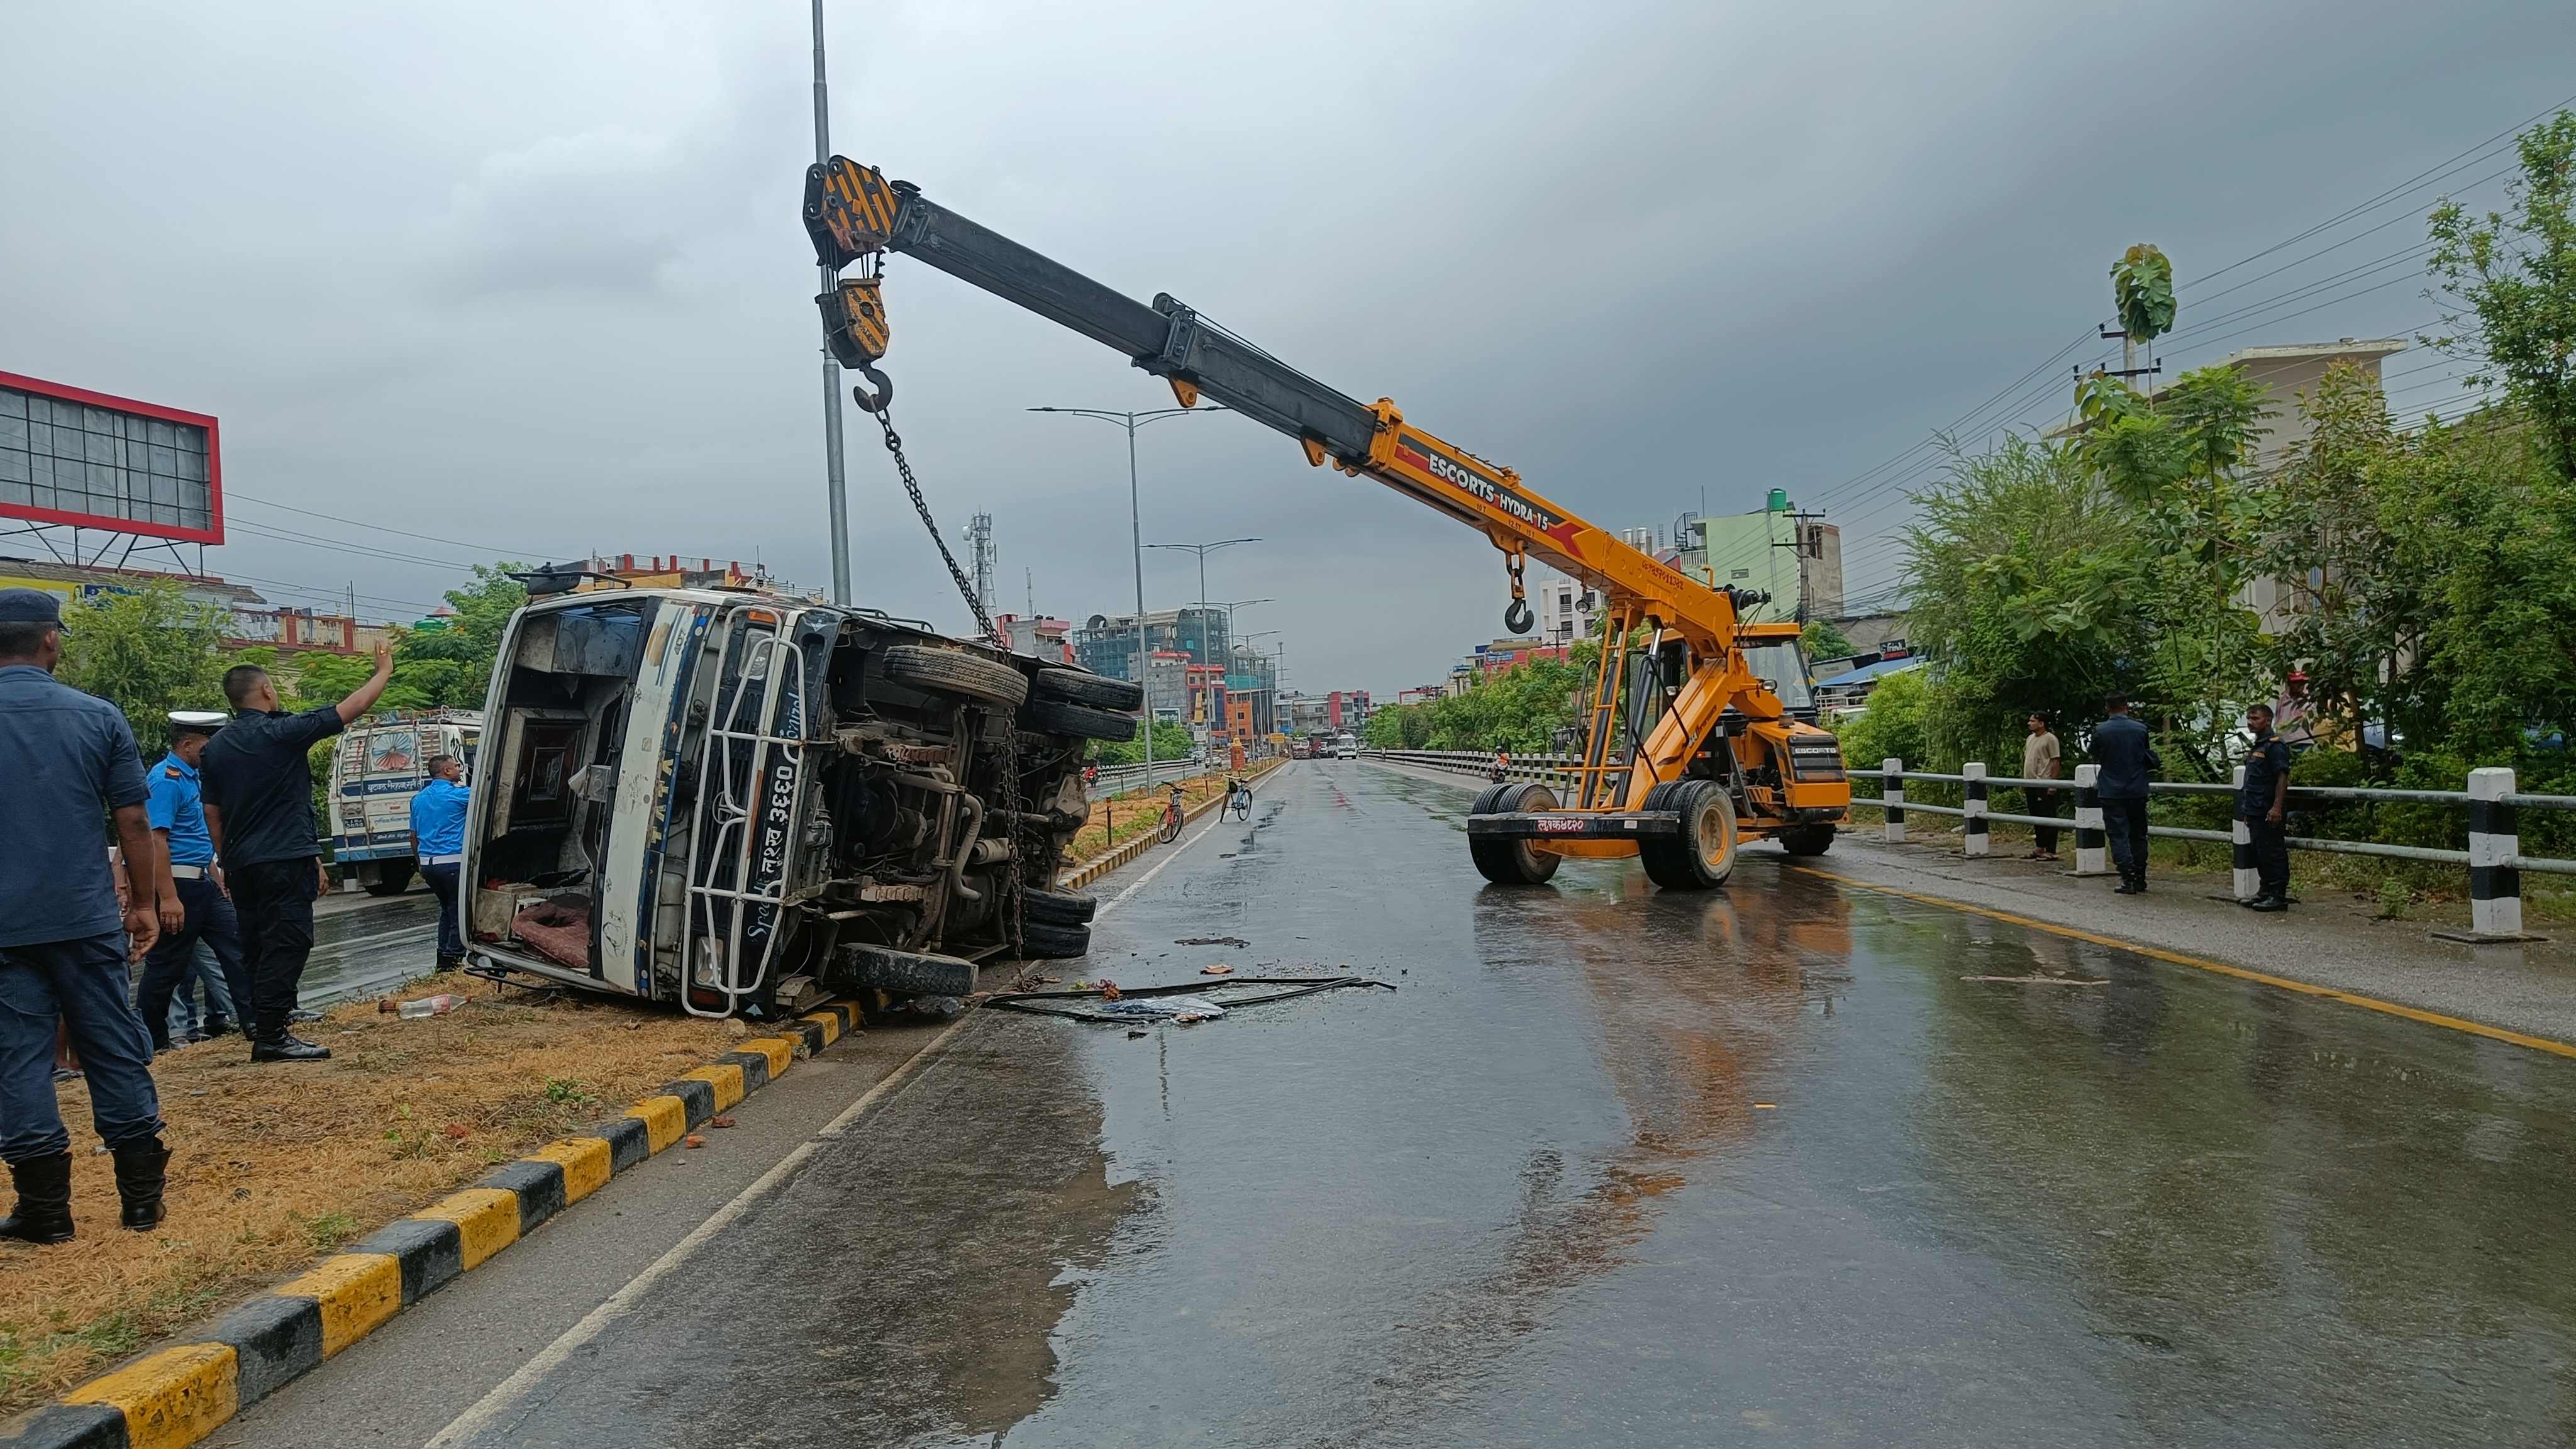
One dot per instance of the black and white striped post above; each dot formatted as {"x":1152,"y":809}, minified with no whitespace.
{"x":1891,"y":788}
{"x":2495,"y":889}
{"x":1973,"y":774}
{"x":2091,"y":845}
{"x":2249,"y":881}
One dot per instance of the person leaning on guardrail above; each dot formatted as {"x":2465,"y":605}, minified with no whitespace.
{"x":2263,"y":805}
{"x":2127,"y":761}
{"x":68,"y":767}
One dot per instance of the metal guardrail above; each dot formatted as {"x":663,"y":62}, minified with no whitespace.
{"x":2494,"y":858}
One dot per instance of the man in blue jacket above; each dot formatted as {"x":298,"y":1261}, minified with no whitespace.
{"x":2127,"y":760}
{"x":438,"y":834}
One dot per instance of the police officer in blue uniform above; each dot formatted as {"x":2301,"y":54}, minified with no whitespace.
{"x":259,"y":808}
{"x":68,"y":768}
{"x":2128,"y":762}
{"x":194,"y":904}
{"x":438,"y":835}
{"x":2263,"y":805}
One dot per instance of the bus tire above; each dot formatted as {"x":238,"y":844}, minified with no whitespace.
{"x":1081,"y":686}
{"x":392,"y":879}
{"x":955,"y":671}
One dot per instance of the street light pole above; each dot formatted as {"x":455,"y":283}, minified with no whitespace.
{"x":1203,"y":550}
{"x":836,"y":485}
{"x":1136,"y":533}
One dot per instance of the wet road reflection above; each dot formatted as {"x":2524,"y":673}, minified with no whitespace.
{"x":1624,"y":1167}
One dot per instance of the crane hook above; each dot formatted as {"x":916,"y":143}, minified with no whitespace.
{"x":1517,"y":618}
{"x":873,"y":402}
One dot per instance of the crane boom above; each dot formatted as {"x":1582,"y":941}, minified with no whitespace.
{"x":856,"y":216}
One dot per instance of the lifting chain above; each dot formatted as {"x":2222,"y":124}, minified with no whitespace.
{"x":883,"y":412}
{"x":1516,"y":615}
{"x":1007,"y":787}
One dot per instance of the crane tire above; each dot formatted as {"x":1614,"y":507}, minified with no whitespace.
{"x":1081,"y":686}
{"x":1702,"y":856}
{"x":1062,"y":908}
{"x":1485,"y":799}
{"x":1053,"y":940}
{"x":1082,"y":721}
{"x":1807,"y":839}
{"x":954,"y":671}
{"x":1506,"y":861}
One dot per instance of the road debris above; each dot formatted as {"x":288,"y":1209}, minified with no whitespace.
{"x":1237,"y":942}
{"x":1107,"y":1003}
{"x":693,"y":1140}
{"x":1219,"y":969}
{"x":719,"y":1121}
{"x":2040,"y":980}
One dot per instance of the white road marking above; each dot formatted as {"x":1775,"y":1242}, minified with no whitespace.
{"x":493,"y":1405}
{"x":1119,"y":899}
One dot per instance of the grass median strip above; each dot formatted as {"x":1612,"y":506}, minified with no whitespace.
{"x":316,"y":1167}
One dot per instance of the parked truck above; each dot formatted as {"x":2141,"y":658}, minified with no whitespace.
{"x":375,"y":770}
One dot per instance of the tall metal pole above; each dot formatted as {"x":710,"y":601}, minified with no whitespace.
{"x":837,"y":486}
{"x":1136,"y":536}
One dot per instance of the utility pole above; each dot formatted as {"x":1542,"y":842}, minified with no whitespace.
{"x":1136,"y":534}
{"x":834,"y":482}
{"x":1805,"y":541}
{"x":979,"y":538}
{"x":1203,"y":550}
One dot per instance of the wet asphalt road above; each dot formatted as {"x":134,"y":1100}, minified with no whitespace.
{"x":1767,"y":1166}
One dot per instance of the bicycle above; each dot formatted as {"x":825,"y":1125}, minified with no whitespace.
{"x":1172,"y":816}
{"x":1238,"y":799}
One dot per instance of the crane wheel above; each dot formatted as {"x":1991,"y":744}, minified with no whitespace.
{"x":1512,"y":862}
{"x":1702,"y":856}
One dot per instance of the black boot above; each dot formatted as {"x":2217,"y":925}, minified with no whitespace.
{"x":141,"y":1169}
{"x":44,"y":1212}
{"x":285,"y":1048}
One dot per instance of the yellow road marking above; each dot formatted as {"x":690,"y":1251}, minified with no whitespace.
{"x":725,"y":1077}
{"x":780,"y":1051}
{"x":664,"y":1119}
{"x":2304,"y":988}
{"x":486,"y":1218}
{"x":172,"y":1398}
{"x":355,"y":1291}
{"x":585,"y":1162}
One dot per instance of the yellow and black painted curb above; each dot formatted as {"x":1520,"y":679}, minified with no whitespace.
{"x":182,"y":1392}
{"x":1093,"y":869}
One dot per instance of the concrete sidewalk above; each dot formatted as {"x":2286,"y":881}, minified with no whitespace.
{"x":2327,"y":940}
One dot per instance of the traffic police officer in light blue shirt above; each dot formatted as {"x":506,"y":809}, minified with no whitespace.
{"x":438,"y":834}
{"x":194,"y":904}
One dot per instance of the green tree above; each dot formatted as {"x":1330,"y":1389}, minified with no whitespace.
{"x":2510,"y":280}
{"x":147,"y":651}
{"x":1171,"y":742}
{"x":2142,"y":288}
{"x":1824,"y":641}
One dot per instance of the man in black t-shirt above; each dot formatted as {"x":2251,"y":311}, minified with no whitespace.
{"x":259,"y":808}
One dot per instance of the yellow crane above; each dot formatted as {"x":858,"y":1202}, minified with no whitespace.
{"x":1686,"y":751}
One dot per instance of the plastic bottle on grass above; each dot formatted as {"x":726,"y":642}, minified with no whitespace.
{"x":438,"y":1005}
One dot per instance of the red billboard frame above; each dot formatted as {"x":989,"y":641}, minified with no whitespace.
{"x":109,"y":523}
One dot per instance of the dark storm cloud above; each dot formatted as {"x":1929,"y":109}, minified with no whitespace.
{"x":530,"y":276}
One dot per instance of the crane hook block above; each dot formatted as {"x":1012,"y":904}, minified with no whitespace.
{"x":1517,"y":618}
{"x":854,"y":321}
{"x":849,"y":211}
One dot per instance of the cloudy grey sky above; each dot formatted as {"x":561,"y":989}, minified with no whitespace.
{"x":529,"y":276}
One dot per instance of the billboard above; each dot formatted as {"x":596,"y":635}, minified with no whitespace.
{"x":72,"y":456}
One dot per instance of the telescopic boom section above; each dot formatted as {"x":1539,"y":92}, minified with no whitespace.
{"x":853,"y":212}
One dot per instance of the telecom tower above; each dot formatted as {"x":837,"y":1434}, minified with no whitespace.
{"x":979,"y":536}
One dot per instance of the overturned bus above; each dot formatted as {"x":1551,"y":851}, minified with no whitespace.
{"x":734,"y":800}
